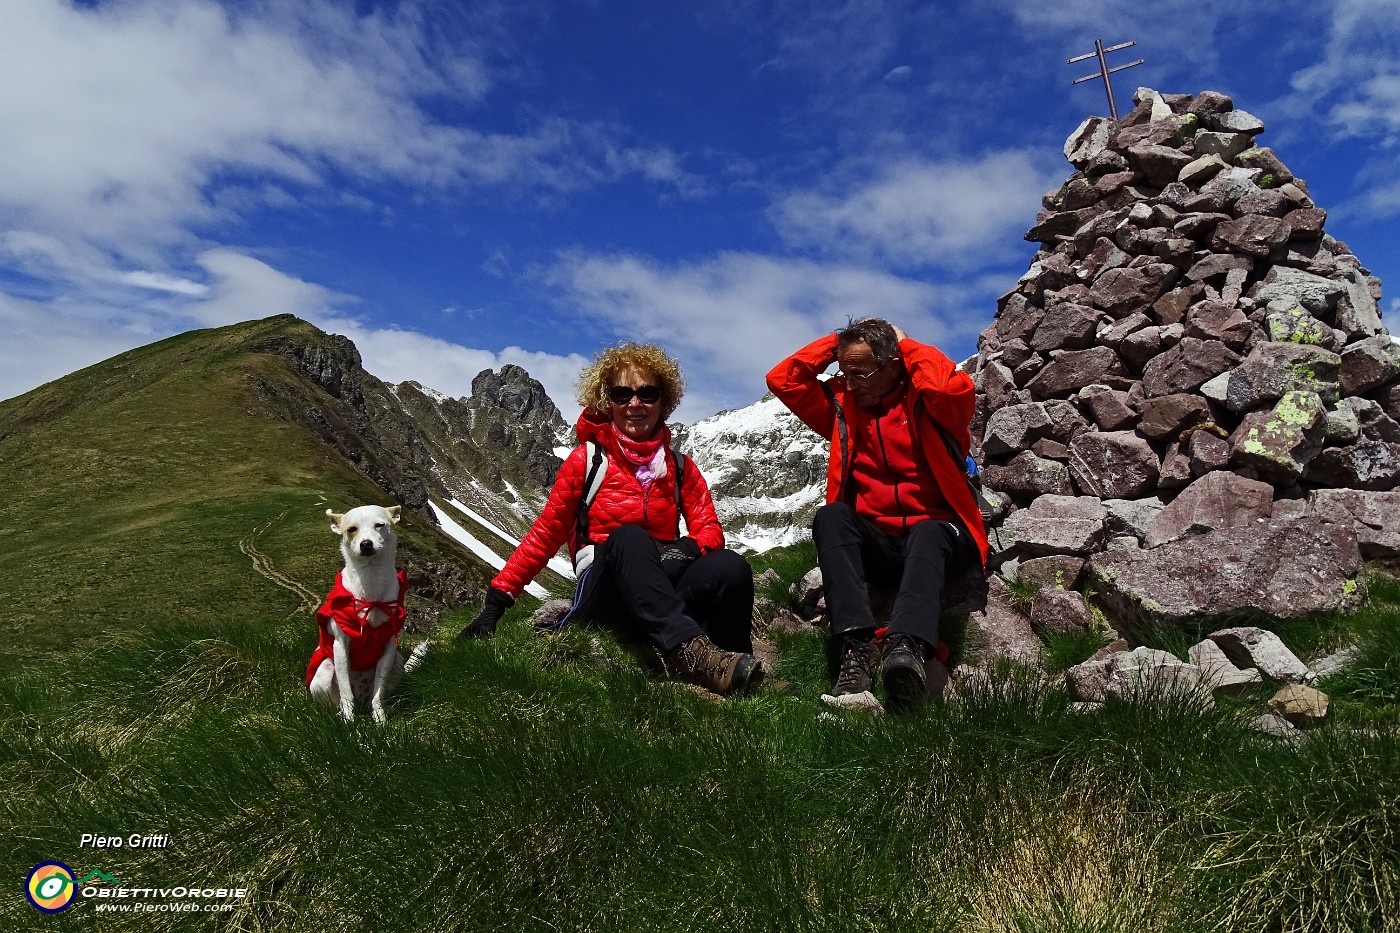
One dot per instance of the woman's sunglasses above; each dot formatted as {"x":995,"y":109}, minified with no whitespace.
{"x":621,"y":395}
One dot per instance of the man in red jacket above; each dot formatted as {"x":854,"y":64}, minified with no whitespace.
{"x":899,"y":512}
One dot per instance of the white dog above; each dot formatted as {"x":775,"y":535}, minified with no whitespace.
{"x":357,"y":657}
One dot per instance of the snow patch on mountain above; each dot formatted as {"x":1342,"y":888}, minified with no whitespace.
{"x":766,"y":470}
{"x":459,"y":534}
{"x":558,"y":564}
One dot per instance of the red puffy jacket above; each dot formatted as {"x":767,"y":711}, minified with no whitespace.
{"x":620,"y":501}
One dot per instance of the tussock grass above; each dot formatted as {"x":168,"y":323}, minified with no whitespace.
{"x":1064,"y":650}
{"x":790,"y":563}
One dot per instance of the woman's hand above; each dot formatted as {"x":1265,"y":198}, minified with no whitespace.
{"x":484,"y":625}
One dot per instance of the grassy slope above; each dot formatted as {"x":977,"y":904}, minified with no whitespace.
{"x":546,"y":783}
{"x":135,"y":481}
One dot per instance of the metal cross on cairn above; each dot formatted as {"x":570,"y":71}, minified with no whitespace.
{"x":1104,"y":70}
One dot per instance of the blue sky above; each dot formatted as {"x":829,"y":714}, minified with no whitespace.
{"x":463,"y":185}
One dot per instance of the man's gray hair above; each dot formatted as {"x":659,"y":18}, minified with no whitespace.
{"x":875,"y":333}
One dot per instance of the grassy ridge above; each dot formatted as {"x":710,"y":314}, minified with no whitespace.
{"x":141,"y":483}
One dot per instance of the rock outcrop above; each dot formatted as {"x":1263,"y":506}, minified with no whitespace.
{"x":1191,"y":388}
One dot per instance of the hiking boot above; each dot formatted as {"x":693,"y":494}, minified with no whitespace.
{"x":700,"y":662}
{"x":859,"y":662}
{"x":905,"y":670}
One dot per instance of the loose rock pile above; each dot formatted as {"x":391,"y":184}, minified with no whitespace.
{"x":1189,"y":396}
{"x":1231,"y":661}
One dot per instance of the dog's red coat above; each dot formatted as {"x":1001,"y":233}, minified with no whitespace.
{"x":367,"y":641}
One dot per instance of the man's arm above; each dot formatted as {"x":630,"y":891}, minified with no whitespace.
{"x":947,"y":393}
{"x":794,"y":381}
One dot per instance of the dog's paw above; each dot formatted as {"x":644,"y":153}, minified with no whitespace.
{"x":379,"y":714}
{"x":347,"y":713}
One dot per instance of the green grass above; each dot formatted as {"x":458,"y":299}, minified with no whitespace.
{"x":791,"y":564}
{"x":545,"y":783}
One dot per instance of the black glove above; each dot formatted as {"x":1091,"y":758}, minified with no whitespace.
{"x":484,"y":625}
{"x":678,"y":555}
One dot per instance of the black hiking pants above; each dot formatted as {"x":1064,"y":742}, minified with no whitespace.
{"x":853,"y":553}
{"x":711,"y":594}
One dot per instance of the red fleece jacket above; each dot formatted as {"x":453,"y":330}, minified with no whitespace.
{"x":888,"y":483}
{"x":621,"y":500}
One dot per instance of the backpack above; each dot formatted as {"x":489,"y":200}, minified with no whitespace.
{"x":593,"y":481}
{"x":970,"y":473}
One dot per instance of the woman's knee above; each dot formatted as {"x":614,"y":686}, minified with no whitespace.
{"x":629,"y":536}
{"x":731,"y":567}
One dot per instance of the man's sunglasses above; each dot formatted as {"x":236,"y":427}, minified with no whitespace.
{"x":856,"y":378}
{"x":621,"y":395}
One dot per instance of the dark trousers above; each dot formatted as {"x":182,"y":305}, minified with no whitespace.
{"x":853,"y":554}
{"x":712,"y":595}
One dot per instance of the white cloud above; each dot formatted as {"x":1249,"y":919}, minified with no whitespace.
{"x":1178,"y":25}
{"x":159,"y":281}
{"x":1356,"y":84}
{"x":246,"y":289}
{"x":963,"y":214}
{"x":1353,"y":90}
{"x":732,"y":318}
{"x":119,"y":116}
{"x":129,"y":123}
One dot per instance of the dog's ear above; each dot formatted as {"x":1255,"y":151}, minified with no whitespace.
{"x":394,"y":511}
{"x":335,"y":520}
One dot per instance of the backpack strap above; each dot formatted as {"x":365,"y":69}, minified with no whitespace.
{"x":593,"y":481}
{"x":843,"y":437}
{"x":969,"y":471}
{"x":678,"y":464}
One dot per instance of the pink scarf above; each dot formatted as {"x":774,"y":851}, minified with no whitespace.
{"x":647,"y":458}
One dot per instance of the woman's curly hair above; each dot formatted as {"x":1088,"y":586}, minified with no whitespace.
{"x":594,"y":382}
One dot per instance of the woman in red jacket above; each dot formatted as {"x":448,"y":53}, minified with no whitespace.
{"x":688,"y":595}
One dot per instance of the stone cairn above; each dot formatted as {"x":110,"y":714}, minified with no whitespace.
{"x":1189,"y":396}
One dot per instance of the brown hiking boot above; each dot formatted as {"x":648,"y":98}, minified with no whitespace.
{"x":700,"y":662}
{"x":857,"y":664}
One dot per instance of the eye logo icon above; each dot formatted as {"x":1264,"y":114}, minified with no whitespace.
{"x":50,"y":887}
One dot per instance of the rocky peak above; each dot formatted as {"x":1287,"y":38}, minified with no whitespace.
{"x":514,"y":391}
{"x":332,"y":362}
{"x":1188,"y":340}
{"x":510,"y":411}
